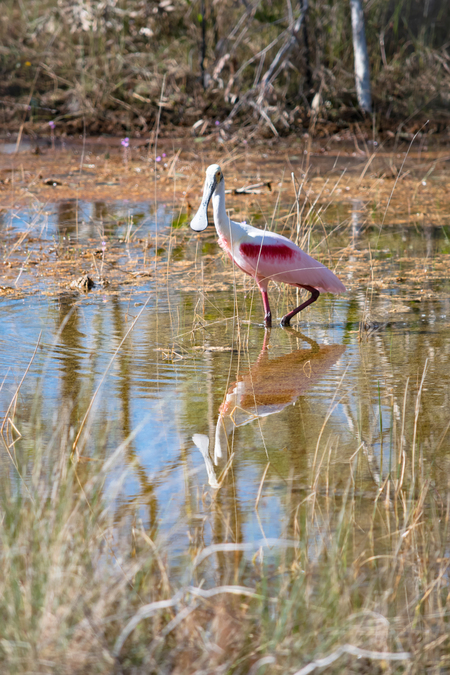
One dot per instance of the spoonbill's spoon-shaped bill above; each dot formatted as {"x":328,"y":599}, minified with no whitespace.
{"x":265,"y":256}
{"x":200,"y":220}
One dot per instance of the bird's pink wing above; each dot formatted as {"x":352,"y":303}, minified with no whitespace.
{"x":275,"y":258}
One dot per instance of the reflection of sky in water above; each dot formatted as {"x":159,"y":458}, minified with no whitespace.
{"x":174,"y":401}
{"x":87,"y":220}
{"x":155,"y":390}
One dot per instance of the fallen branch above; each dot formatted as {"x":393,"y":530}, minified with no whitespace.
{"x":250,"y":189}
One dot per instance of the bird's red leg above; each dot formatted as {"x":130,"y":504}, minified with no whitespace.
{"x":265,"y":344}
{"x":267,"y":312}
{"x":314,"y":295}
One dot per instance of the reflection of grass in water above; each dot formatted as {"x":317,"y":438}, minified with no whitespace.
{"x":81,"y":584}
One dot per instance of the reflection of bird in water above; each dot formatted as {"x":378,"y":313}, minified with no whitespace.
{"x":265,"y":256}
{"x":202,"y":443}
{"x":270,"y":385}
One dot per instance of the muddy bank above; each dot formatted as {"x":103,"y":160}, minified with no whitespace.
{"x":173,"y":168}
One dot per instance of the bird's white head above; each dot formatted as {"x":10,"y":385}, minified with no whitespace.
{"x":214,"y":177}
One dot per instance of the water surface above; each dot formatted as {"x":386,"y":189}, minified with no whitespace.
{"x":222,"y":422}
{"x":197,"y":397}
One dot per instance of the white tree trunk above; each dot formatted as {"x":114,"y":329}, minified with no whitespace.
{"x":362,"y":72}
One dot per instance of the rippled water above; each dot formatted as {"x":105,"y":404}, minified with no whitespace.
{"x":195,"y":398}
{"x":220,"y":420}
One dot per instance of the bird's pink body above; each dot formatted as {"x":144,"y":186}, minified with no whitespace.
{"x":265,"y":256}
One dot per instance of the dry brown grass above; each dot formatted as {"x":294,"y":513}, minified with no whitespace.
{"x":100,"y":67}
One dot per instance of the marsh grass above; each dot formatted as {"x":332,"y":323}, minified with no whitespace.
{"x":83,"y":591}
{"x":357,"y":581}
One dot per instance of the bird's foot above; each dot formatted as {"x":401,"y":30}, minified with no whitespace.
{"x":268,"y":320}
{"x":285,"y":321}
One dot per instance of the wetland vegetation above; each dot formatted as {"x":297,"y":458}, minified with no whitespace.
{"x":185,"y":492}
{"x":182,"y":491}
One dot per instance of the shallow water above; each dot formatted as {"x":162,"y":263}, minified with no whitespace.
{"x":78,"y":220}
{"x":196,"y":397}
{"x":221,"y":420}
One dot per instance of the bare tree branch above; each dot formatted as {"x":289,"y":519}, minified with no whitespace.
{"x":283,"y":53}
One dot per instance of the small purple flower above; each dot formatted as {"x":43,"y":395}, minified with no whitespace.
{"x":158,"y":159}
{"x":217,"y":123}
{"x":51,"y":124}
{"x":103,"y":245}
{"x":164,"y":154}
{"x":125,"y":142}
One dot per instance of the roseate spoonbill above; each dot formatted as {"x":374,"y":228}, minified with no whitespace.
{"x":265,"y":256}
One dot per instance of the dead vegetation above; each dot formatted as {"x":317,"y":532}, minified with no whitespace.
{"x":71,"y":227}
{"x":119,"y":68}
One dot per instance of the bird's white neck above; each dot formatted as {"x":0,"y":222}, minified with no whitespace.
{"x":221,"y":220}
{"x":230,"y":233}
